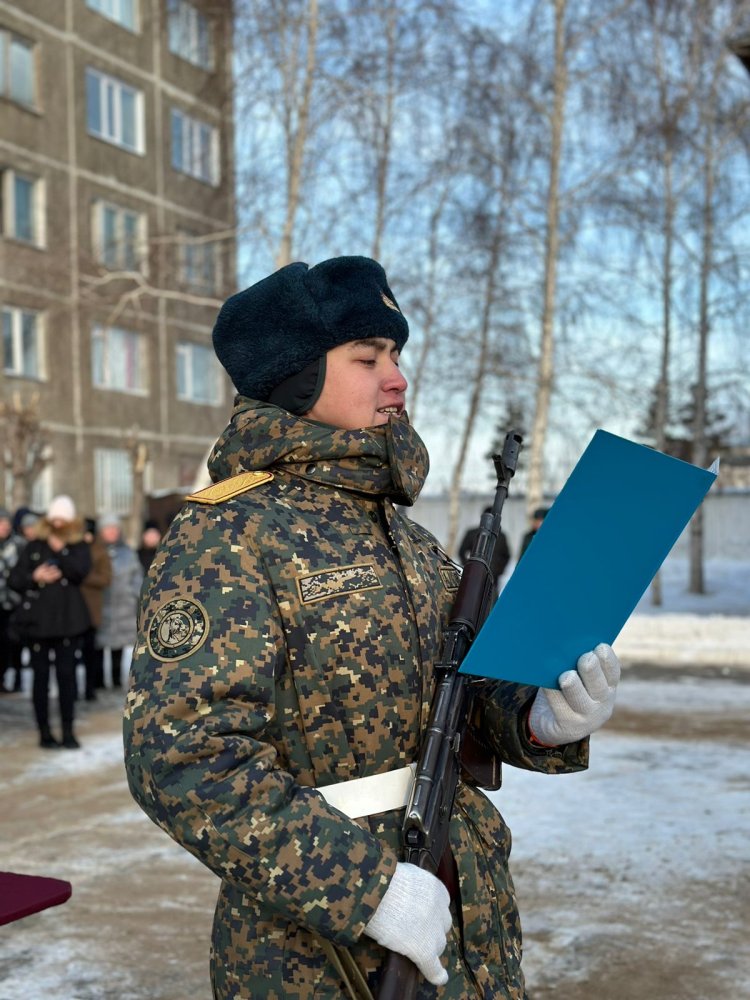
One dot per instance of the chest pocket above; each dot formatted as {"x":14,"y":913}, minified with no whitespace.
{"x":327,"y":584}
{"x":350,"y":645}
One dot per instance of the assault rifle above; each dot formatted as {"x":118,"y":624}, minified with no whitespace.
{"x":425,"y":830}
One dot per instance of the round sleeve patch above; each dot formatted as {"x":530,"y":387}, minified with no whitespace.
{"x":177,"y":629}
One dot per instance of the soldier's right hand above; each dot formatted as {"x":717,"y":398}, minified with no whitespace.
{"x":414,"y":918}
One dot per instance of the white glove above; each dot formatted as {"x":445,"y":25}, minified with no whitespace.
{"x":584,"y":702}
{"x":414,"y":919}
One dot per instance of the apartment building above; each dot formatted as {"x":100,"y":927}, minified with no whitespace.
{"x":117,"y":220}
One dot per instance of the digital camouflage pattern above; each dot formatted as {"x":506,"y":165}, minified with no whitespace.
{"x":286,"y":642}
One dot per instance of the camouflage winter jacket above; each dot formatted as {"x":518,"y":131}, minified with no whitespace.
{"x":286,"y":642}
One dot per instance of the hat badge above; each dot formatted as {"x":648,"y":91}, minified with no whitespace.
{"x":389,"y":302}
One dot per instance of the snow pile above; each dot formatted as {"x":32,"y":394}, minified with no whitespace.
{"x":711,"y":629}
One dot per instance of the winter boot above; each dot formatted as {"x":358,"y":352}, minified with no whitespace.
{"x":69,"y":741}
{"x":46,"y":739}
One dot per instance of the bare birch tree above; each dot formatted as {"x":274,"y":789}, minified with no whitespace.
{"x":655,"y":94}
{"x":279,"y":113}
{"x":720,"y":121}
{"x":545,"y":367}
{"x":26,"y":447}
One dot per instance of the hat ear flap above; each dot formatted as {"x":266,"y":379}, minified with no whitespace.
{"x":301,"y":392}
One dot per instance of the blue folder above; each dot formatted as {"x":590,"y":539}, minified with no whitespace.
{"x":603,"y":540}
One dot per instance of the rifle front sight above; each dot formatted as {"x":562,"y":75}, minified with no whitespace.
{"x":505,"y":464}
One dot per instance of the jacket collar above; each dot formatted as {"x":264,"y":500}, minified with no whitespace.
{"x":389,"y":461}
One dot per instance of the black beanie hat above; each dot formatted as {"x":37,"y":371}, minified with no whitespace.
{"x":277,"y":327}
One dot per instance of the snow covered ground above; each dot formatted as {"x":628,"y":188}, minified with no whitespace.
{"x":711,"y":629}
{"x":633,"y":877}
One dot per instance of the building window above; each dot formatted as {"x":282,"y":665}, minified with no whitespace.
{"x":17,"y":76}
{"x":198,"y":378}
{"x":114,"y":111}
{"x":41,"y":491}
{"x":119,"y":237}
{"x":121,"y":11}
{"x":197,"y":262}
{"x":189,"y":34}
{"x":23,"y":208}
{"x":118,"y":360}
{"x":113,"y":481}
{"x":22,"y":343}
{"x":195,"y":148}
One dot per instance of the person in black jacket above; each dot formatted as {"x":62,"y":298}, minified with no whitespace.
{"x":10,"y":546}
{"x":150,"y":539}
{"x":536,"y":522}
{"x":52,"y":615}
{"x":500,"y":556}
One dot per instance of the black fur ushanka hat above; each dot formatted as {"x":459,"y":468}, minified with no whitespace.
{"x":276,"y":328}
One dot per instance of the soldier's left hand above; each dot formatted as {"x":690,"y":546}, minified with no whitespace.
{"x":584,"y":702}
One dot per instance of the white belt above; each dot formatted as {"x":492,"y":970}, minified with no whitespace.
{"x":375,"y":794}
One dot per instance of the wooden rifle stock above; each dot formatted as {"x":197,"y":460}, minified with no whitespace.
{"x":400,"y":978}
{"x":426,"y":822}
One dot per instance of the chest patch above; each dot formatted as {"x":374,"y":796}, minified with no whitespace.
{"x":451,"y":578}
{"x":337,"y":582}
{"x":177,"y":630}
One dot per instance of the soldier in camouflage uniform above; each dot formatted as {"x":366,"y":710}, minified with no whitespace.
{"x":287,"y":638}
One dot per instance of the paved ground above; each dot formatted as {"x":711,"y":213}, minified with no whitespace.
{"x":137,"y":926}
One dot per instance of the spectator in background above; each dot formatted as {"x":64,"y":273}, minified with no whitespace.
{"x":536,"y":522}
{"x":92,"y":589}
{"x":10,"y":547}
{"x":118,"y":624}
{"x":19,"y":515}
{"x":27,"y":525}
{"x":52,"y":615}
{"x":500,"y":557}
{"x":27,"y":521}
{"x":149,"y":544}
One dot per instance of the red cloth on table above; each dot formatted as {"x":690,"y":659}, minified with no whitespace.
{"x":21,"y":895}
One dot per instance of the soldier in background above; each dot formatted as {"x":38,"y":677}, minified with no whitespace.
{"x":536,"y":522}
{"x":284,"y":667}
{"x":500,"y":554}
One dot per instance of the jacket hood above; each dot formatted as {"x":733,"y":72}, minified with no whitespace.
{"x":70,"y":534}
{"x":389,"y":461}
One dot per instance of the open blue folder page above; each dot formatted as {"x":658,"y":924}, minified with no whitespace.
{"x":603,"y":540}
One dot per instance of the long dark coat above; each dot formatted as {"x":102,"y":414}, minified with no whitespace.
{"x":53,"y":610}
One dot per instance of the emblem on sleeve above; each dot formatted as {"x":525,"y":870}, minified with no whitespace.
{"x":177,"y":630}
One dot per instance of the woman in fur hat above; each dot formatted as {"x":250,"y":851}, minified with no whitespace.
{"x":52,"y":615}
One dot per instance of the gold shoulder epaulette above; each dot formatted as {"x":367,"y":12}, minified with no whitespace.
{"x":228,"y":488}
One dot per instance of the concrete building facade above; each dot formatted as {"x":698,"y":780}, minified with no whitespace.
{"x":117,"y":239}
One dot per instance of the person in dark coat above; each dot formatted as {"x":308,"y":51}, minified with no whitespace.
{"x":10,"y":547}
{"x":500,"y":557}
{"x":536,"y":522}
{"x":150,"y":539}
{"x":52,"y":615}
{"x":27,"y":525}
